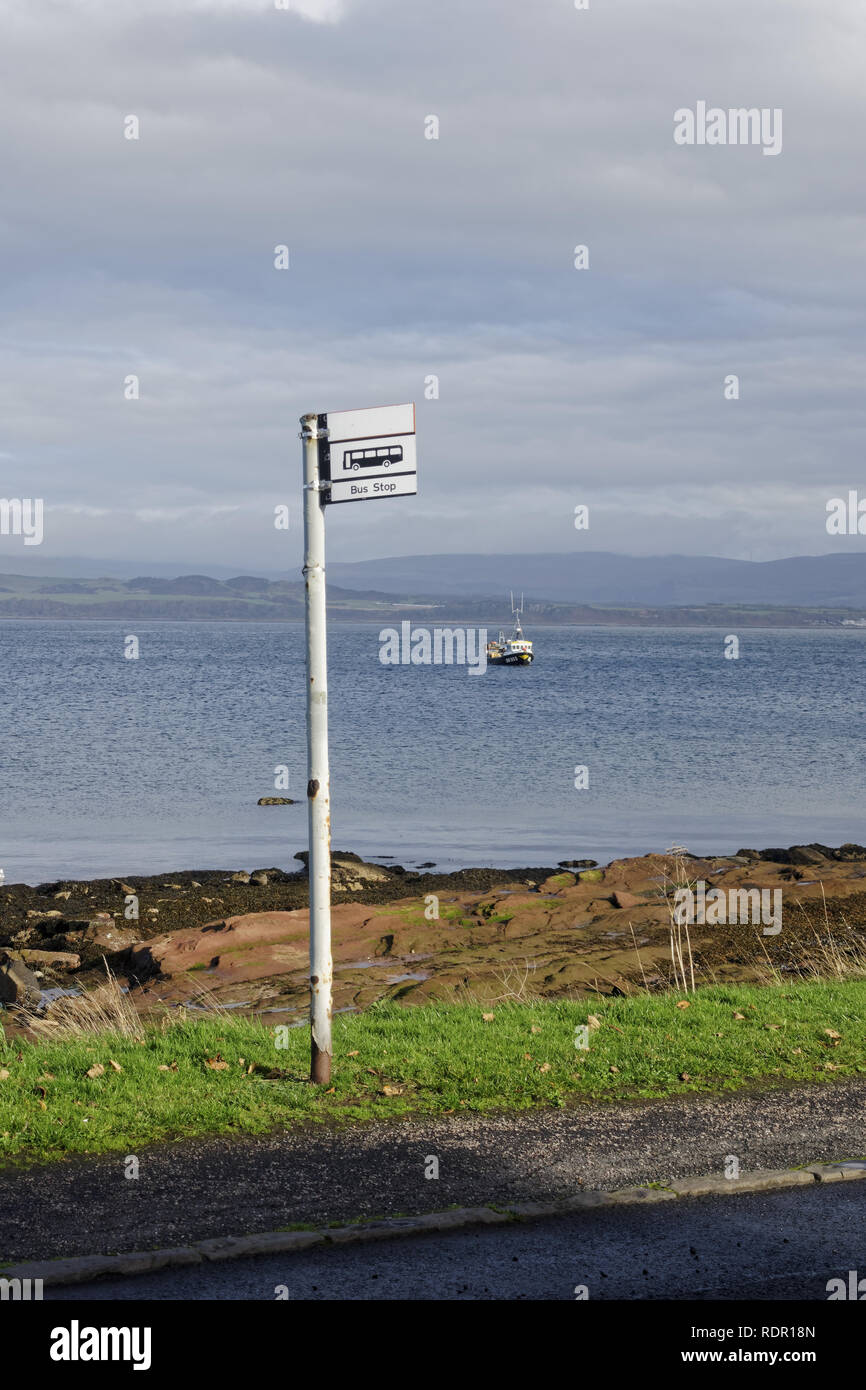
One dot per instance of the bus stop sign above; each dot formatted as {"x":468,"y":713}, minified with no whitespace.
{"x":366,"y":454}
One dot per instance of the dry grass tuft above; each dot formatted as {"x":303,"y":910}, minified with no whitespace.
{"x":109,"y":1009}
{"x":106,"y":1008}
{"x":681,"y":942}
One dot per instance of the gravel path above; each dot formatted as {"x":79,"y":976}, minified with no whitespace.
{"x":198,"y":1189}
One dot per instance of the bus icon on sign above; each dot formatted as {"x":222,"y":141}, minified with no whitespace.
{"x":372,"y":458}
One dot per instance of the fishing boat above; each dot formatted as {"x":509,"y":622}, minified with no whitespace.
{"x":514,"y":650}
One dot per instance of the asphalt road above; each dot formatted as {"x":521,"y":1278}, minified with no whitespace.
{"x":765,"y":1246}
{"x":236,"y":1186}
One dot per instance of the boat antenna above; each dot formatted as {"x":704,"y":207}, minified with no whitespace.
{"x":516,"y":614}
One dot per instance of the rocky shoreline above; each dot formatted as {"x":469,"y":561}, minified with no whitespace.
{"x":538,"y":930}
{"x":67,"y":914}
{"x":68,"y":927}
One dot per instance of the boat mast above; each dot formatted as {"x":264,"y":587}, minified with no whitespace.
{"x":516,"y":613}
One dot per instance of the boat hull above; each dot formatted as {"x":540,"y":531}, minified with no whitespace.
{"x":512,"y":659}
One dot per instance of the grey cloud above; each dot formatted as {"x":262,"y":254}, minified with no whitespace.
{"x":412,"y":257}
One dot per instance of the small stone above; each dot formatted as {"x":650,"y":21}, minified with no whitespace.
{"x":18,"y":985}
{"x":622,"y":899}
{"x":25,"y":936}
{"x":61,"y":960}
{"x":807,"y":854}
{"x":103,"y":934}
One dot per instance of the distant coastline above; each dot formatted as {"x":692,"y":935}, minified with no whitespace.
{"x":200,"y":598}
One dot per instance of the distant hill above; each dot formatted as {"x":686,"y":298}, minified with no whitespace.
{"x":602,"y":577}
{"x":187,"y":597}
{"x":670,"y":591}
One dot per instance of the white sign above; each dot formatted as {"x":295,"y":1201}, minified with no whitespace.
{"x":369,"y":453}
{"x":367,"y":488}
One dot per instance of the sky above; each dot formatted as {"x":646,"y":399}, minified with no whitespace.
{"x":412,"y":258}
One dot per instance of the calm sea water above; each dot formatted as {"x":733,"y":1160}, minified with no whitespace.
{"x":111,"y":766}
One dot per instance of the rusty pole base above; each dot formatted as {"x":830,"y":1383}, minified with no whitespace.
{"x":320,"y":1065}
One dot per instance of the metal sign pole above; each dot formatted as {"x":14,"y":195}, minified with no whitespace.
{"x":318,"y":783}
{"x":370,"y":455}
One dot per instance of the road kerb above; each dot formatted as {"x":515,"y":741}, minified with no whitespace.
{"x":83,"y":1269}
{"x":714,"y":1184}
{"x":837,"y":1172}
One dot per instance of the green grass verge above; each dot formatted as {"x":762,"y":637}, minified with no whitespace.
{"x":394,"y":1061}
